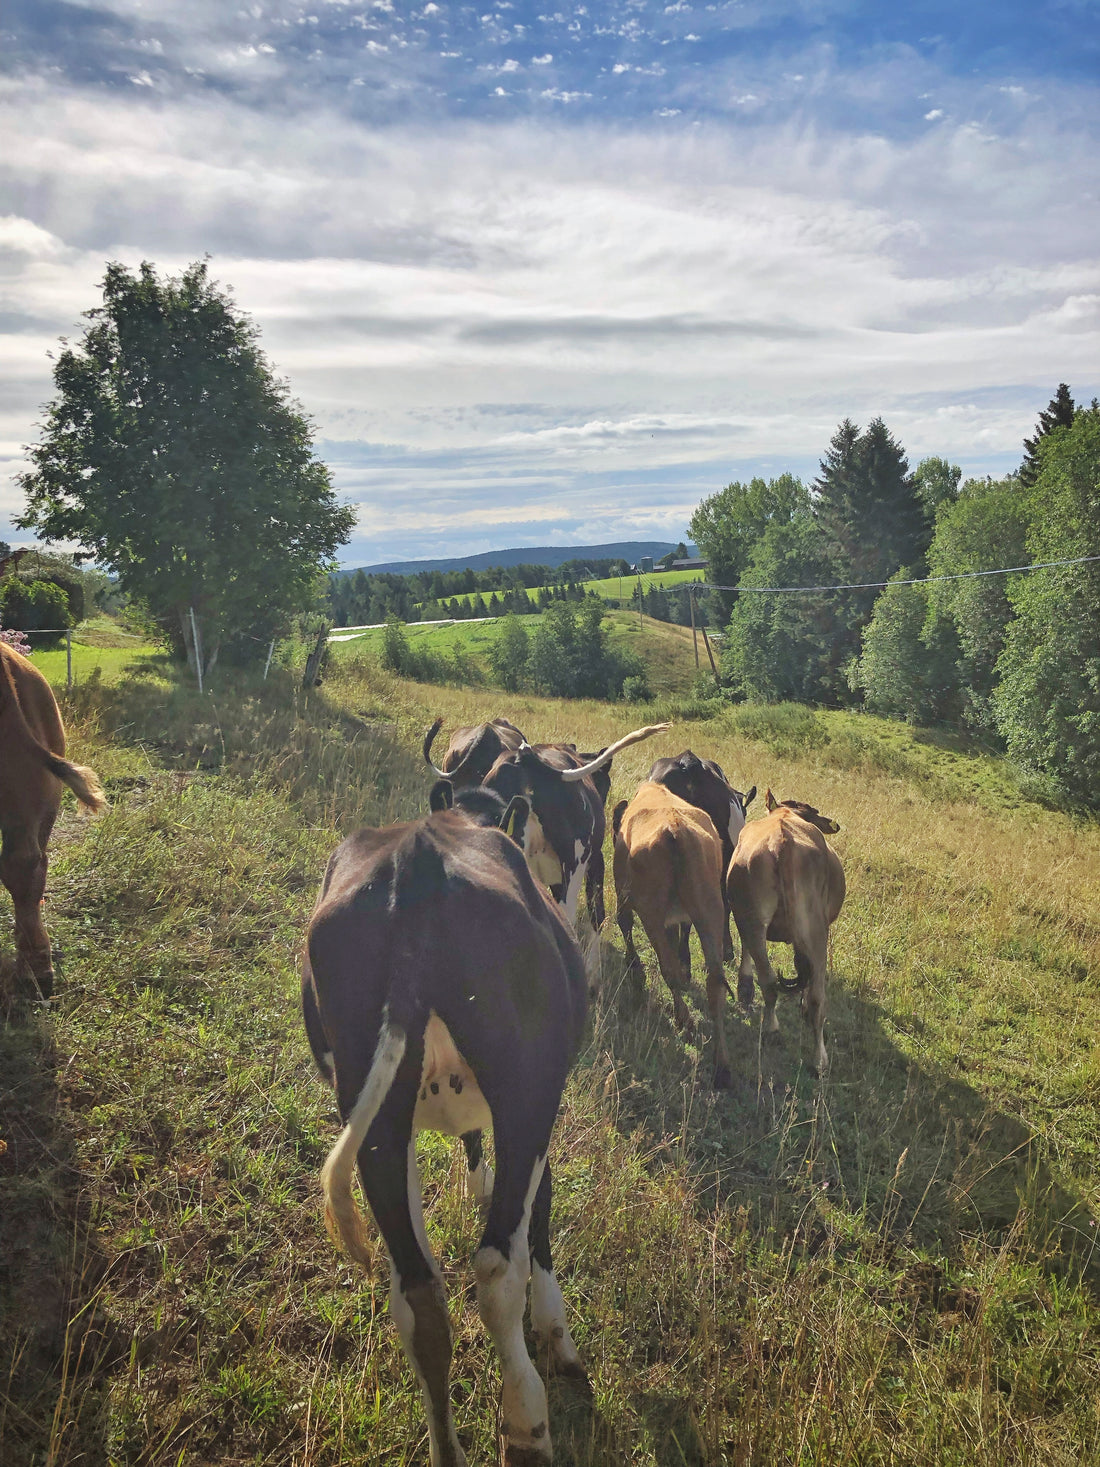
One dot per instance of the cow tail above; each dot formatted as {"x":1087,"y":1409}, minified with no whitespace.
{"x":416,"y":886}
{"x":83,"y":782}
{"x":789,"y":894}
{"x":343,"y":1219}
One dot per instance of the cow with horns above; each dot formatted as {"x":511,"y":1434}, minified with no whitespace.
{"x":564,"y":832}
{"x":444,"y":990}
{"x":786,"y":884}
{"x":32,"y":771}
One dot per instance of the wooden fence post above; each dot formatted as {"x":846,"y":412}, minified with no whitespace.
{"x":313,"y":661}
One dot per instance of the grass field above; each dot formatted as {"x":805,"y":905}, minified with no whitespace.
{"x":100,"y":649}
{"x":896,"y":1265}
{"x":612,"y":588}
{"x":665,"y":648}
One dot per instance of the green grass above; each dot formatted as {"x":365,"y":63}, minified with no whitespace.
{"x":612,"y":588}
{"x":666,"y":649}
{"x":99,"y":649}
{"x":894,"y":1266}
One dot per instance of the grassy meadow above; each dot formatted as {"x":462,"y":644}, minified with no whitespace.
{"x":665,"y":648}
{"x":610,"y":588}
{"x":894,"y":1265}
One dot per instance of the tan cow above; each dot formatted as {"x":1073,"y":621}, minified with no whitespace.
{"x":786,"y":884}
{"x":32,"y":770}
{"x":668,"y":869}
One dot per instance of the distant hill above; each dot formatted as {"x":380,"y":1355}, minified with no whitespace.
{"x":548,"y":555}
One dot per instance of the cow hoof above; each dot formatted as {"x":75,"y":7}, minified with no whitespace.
{"x":723,"y":1080}
{"x":525,"y":1456}
{"x":573,"y":1371}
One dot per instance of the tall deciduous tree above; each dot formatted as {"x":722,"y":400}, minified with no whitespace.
{"x":1059,"y":414}
{"x":727,"y":525}
{"x":1047,"y":703}
{"x":174,"y":452}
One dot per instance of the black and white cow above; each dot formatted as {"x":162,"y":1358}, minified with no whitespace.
{"x":703,"y":783}
{"x":444,"y":990}
{"x":563,"y":838}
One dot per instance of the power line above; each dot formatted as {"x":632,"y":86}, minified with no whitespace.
{"x":1006,"y":570}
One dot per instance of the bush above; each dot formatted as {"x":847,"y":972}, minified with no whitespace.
{"x":509,"y":653}
{"x":908,"y":666}
{"x":571,"y":655}
{"x":423,"y":665}
{"x":31,"y":606}
{"x":787,"y":728}
{"x":636,"y":688}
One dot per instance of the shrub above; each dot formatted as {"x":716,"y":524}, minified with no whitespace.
{"x":787,"y":728}
{"x":34,"y":605}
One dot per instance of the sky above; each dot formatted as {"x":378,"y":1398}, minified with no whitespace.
{"x":551,"y":275}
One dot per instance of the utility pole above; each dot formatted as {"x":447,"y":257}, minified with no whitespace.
{"x":694,"y":633}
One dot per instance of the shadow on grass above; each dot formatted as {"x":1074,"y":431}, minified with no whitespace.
{"x":57,"y":1345}
{"x":906,"y":1152}
{"x":342,"y":767}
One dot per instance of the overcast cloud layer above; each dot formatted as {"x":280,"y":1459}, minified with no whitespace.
{"x":551,"y":277}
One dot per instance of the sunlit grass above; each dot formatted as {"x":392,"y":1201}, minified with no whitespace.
{"x":882,"y":1268}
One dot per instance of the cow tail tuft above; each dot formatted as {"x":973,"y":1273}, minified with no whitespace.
{"x":343,"y":1219}
{"x":83,"y":782}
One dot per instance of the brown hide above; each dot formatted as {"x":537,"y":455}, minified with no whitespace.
{"x":668,"y":870}
{"x":786,"y":884}
{"x":32,"y":770}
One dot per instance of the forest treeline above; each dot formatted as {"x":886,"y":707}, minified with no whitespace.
{"x":1014,"y":659}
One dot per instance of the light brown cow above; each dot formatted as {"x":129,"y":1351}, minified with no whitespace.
{"x":32,"y":769}
{"x":668,"y":869}
{"x":786,"y":884}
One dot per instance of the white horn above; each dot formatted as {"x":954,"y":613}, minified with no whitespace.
{"x":570,"y":776}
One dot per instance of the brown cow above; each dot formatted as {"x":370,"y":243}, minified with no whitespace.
{"x":668,"y":869}
{"x":444,"y":990}
{"x":32,"y":770}
{"x":786,"y":884}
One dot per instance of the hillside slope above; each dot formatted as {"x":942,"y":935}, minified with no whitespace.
{"x":884,"y":1267}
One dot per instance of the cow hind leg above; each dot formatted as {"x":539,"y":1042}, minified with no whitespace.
{"x":502,"y":1267}
{"x":391,"y":1181}
{"x":593,"y":890}
{"x":668,"y":958}
{"x":23,"y":872}
{"x":810,"y":963}
{"x":754,"y":953}
{"x":548,"y":1324}
{"x":685,"y":950}
{"x":625,"y":919}
{"x":710,"y":938}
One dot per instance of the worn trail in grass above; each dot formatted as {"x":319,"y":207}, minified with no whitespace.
{"x":881,"y":1268}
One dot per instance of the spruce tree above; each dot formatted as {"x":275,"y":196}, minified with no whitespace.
{"x":1059,"y":414}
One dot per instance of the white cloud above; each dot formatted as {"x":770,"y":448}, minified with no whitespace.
{"x":571,"y":324}
{"x":935,"y":115}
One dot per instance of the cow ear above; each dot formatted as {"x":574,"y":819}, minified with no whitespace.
{"x":770,"y":801}
{"x":442,"y":796}
{"x":514,"y":821}
{"x":748,"y":799}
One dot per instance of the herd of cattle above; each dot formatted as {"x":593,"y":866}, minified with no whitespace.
{"x":444,"y":987}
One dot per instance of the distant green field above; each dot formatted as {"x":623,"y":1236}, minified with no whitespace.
{"x":110,"y":662}
{"x":613,"y":588}
{"x":665,"y":649}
